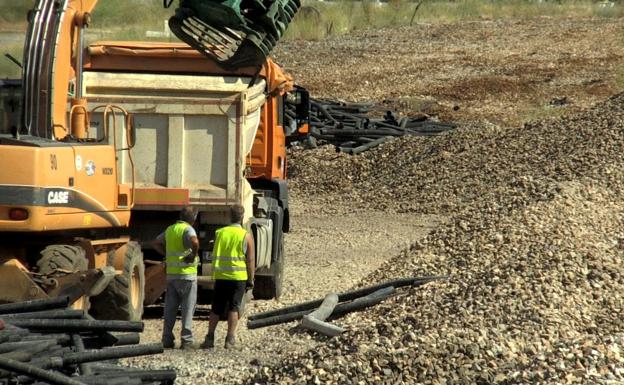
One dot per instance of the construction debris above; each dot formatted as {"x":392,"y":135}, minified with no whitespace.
{"x":37,"y":343}
{"x":351,"y":130}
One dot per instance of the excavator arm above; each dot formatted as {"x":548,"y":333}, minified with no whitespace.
{"x":52,"y":68}
{"x":233,"y":33}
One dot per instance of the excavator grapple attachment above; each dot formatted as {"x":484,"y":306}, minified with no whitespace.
{"x":234,"y":33}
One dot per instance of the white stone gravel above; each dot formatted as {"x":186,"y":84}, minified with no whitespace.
{"x":324,"y":252}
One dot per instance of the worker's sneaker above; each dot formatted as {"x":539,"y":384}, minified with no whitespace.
{"x":188,"y":346}
{"x":168,"y":345}
{"x":208,"y":342}
{"x":230,"y":342}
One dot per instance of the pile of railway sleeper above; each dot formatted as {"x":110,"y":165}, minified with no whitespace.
{"x":44,"y":341}
{"x":351,"y":129}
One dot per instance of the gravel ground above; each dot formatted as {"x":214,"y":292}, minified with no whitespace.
{"x":324,"y":252}
{"x":535,"y":257}
{"x":526,"y":219}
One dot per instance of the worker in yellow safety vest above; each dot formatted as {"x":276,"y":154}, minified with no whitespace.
{"x":179,"y":244}
{"x":233,"y":263}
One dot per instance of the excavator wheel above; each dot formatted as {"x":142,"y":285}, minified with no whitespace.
{"x":123,"y":297}
{"x":65,"y":258}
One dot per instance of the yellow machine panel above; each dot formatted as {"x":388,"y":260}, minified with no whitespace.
{"x":69,"y":187}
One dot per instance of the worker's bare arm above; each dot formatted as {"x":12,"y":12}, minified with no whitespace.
{"x":159,"y":246}
{"x":194,"y":250}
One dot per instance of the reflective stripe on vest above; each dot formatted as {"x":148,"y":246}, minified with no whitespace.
{"x":229,"y":261}
{"x":176,"y":252}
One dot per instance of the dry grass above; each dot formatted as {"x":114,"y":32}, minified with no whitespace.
{"x":8,"y":69}
{"x":339,"y":17}
{"x":500,"y":71}
{"x":129,"y":20}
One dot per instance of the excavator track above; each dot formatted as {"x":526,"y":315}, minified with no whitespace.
{"x":234,"y":33}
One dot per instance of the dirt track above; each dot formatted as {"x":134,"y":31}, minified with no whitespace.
{"x":493,"y":75}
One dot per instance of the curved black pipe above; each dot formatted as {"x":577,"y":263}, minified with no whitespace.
{"x":340,"y":310}
{"x":76,"y":325}
{"x":349,"y":295}
{"x":35,"y":305}
{"x":50,"y":314}
{"x":31,"y":371}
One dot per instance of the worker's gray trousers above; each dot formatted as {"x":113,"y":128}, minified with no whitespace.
{"x":180,"y":294}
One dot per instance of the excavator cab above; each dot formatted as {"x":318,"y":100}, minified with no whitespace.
{"x":234,"y":33}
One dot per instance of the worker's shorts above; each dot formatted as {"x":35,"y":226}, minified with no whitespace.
{"x":227,"y":296}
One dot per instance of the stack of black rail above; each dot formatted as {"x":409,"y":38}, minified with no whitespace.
{"x":348,"y":126}
{"x":42,"y":341}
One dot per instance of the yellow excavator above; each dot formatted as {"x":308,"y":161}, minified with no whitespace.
{"x":114,"y":138}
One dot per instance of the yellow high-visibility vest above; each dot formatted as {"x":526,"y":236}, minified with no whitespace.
{"x":229,"y":261}
{"x":176,"y":252}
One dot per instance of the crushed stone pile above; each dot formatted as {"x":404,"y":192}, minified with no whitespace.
{"x":483,"y":166}
{"x":534,"y":250}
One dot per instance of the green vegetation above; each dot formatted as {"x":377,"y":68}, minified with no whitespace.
{"x":129,"y":14}
{"x":9,"y":69}
{"x":117,"y":14}
{"x":13,"y":14}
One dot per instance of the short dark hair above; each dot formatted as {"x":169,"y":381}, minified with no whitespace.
{"x":236,"y":213}
{"x":188,"y":214}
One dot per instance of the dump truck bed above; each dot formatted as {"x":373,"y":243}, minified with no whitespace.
{"x":192,"y":134}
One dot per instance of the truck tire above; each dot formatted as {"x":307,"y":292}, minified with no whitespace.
{"x":64,"y":258}
{"x":123,"y":297}
{"x":277,"y":267}
{"x":270,"y":286}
